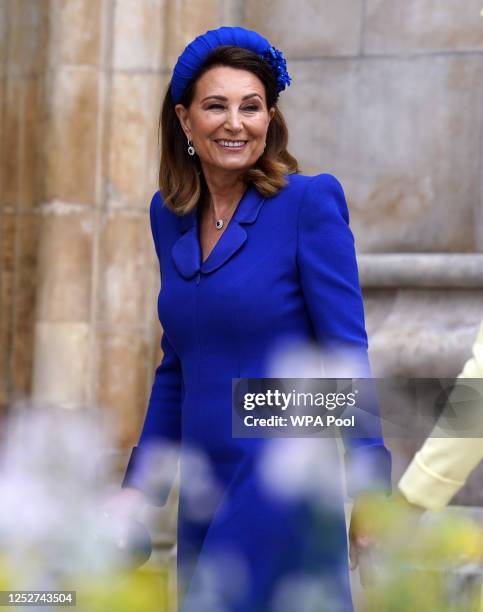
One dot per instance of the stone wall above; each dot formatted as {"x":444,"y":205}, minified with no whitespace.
{"x":385,"y":95}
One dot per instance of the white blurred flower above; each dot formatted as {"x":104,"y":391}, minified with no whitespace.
{"x":54,"y":471}
{"x":296,"y":359}
{"x":306,"y":468}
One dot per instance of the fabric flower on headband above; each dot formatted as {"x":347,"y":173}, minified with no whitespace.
{"x":278,"y":64}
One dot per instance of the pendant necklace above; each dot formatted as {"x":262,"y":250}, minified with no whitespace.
{"x":220,"y":221}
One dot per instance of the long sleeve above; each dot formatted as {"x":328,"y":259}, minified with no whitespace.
{"x":330,"y":283}
{"x":442,"y":465}
{"x":153,"y":462}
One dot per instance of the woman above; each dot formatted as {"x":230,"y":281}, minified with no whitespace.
{"x":253,"y":256}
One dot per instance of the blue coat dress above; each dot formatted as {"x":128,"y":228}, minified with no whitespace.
{"x":284,"y":270}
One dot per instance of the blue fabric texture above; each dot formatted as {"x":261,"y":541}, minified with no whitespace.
{"x":194,"y":55}
{"x":284,"y":271}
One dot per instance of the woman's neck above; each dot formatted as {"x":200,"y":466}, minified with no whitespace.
{"x":223,"y":194}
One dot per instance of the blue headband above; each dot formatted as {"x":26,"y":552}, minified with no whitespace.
{"x":194,"y":55}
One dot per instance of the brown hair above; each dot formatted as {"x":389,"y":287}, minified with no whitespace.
{"x":181,"y":180}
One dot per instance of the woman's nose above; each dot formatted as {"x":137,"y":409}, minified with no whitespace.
{"x":233,"y":120}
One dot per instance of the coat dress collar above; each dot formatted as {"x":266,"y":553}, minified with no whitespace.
{"x":186,"y":251}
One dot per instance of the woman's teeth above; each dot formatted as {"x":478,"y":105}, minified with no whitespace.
{"x":232,"y":144}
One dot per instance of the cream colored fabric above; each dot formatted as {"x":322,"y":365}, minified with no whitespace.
{"x":440,"y":468}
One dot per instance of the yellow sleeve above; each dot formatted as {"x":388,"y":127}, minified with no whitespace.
{"x":442,"y":465}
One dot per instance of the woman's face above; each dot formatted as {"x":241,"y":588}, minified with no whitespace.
{"x":227,"y":120}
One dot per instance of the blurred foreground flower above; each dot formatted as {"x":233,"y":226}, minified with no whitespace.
{"x":54,"y":478}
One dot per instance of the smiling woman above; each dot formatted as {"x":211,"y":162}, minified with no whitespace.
{"x":229,"y":137}
{"x":233,"y":97}
{"x":253,"y":256}
{"x":231,"y":132}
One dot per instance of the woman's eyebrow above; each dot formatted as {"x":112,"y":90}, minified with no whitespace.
{"x":224,"y":99}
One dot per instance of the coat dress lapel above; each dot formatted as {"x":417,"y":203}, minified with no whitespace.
{"x":186,"y":251}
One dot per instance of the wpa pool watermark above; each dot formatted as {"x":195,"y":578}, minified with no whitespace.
{"x":362,"y":408}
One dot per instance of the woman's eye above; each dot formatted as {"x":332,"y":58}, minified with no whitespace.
{"x":252,"y":107}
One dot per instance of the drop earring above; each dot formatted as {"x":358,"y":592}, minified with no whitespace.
{"x":191,"y":149}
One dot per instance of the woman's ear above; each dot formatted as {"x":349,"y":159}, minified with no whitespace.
{"x":182,"y":114}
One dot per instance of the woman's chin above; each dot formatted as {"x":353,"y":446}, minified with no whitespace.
{"x":233,"y":164}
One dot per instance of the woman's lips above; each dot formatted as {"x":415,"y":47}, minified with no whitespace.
{"x":232,"y":148}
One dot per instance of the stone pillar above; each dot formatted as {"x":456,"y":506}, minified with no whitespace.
{"x":95,"y":328}
{"x":73,"y":103}
{"x":23,"y":31}
{"x":127,"y":280}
